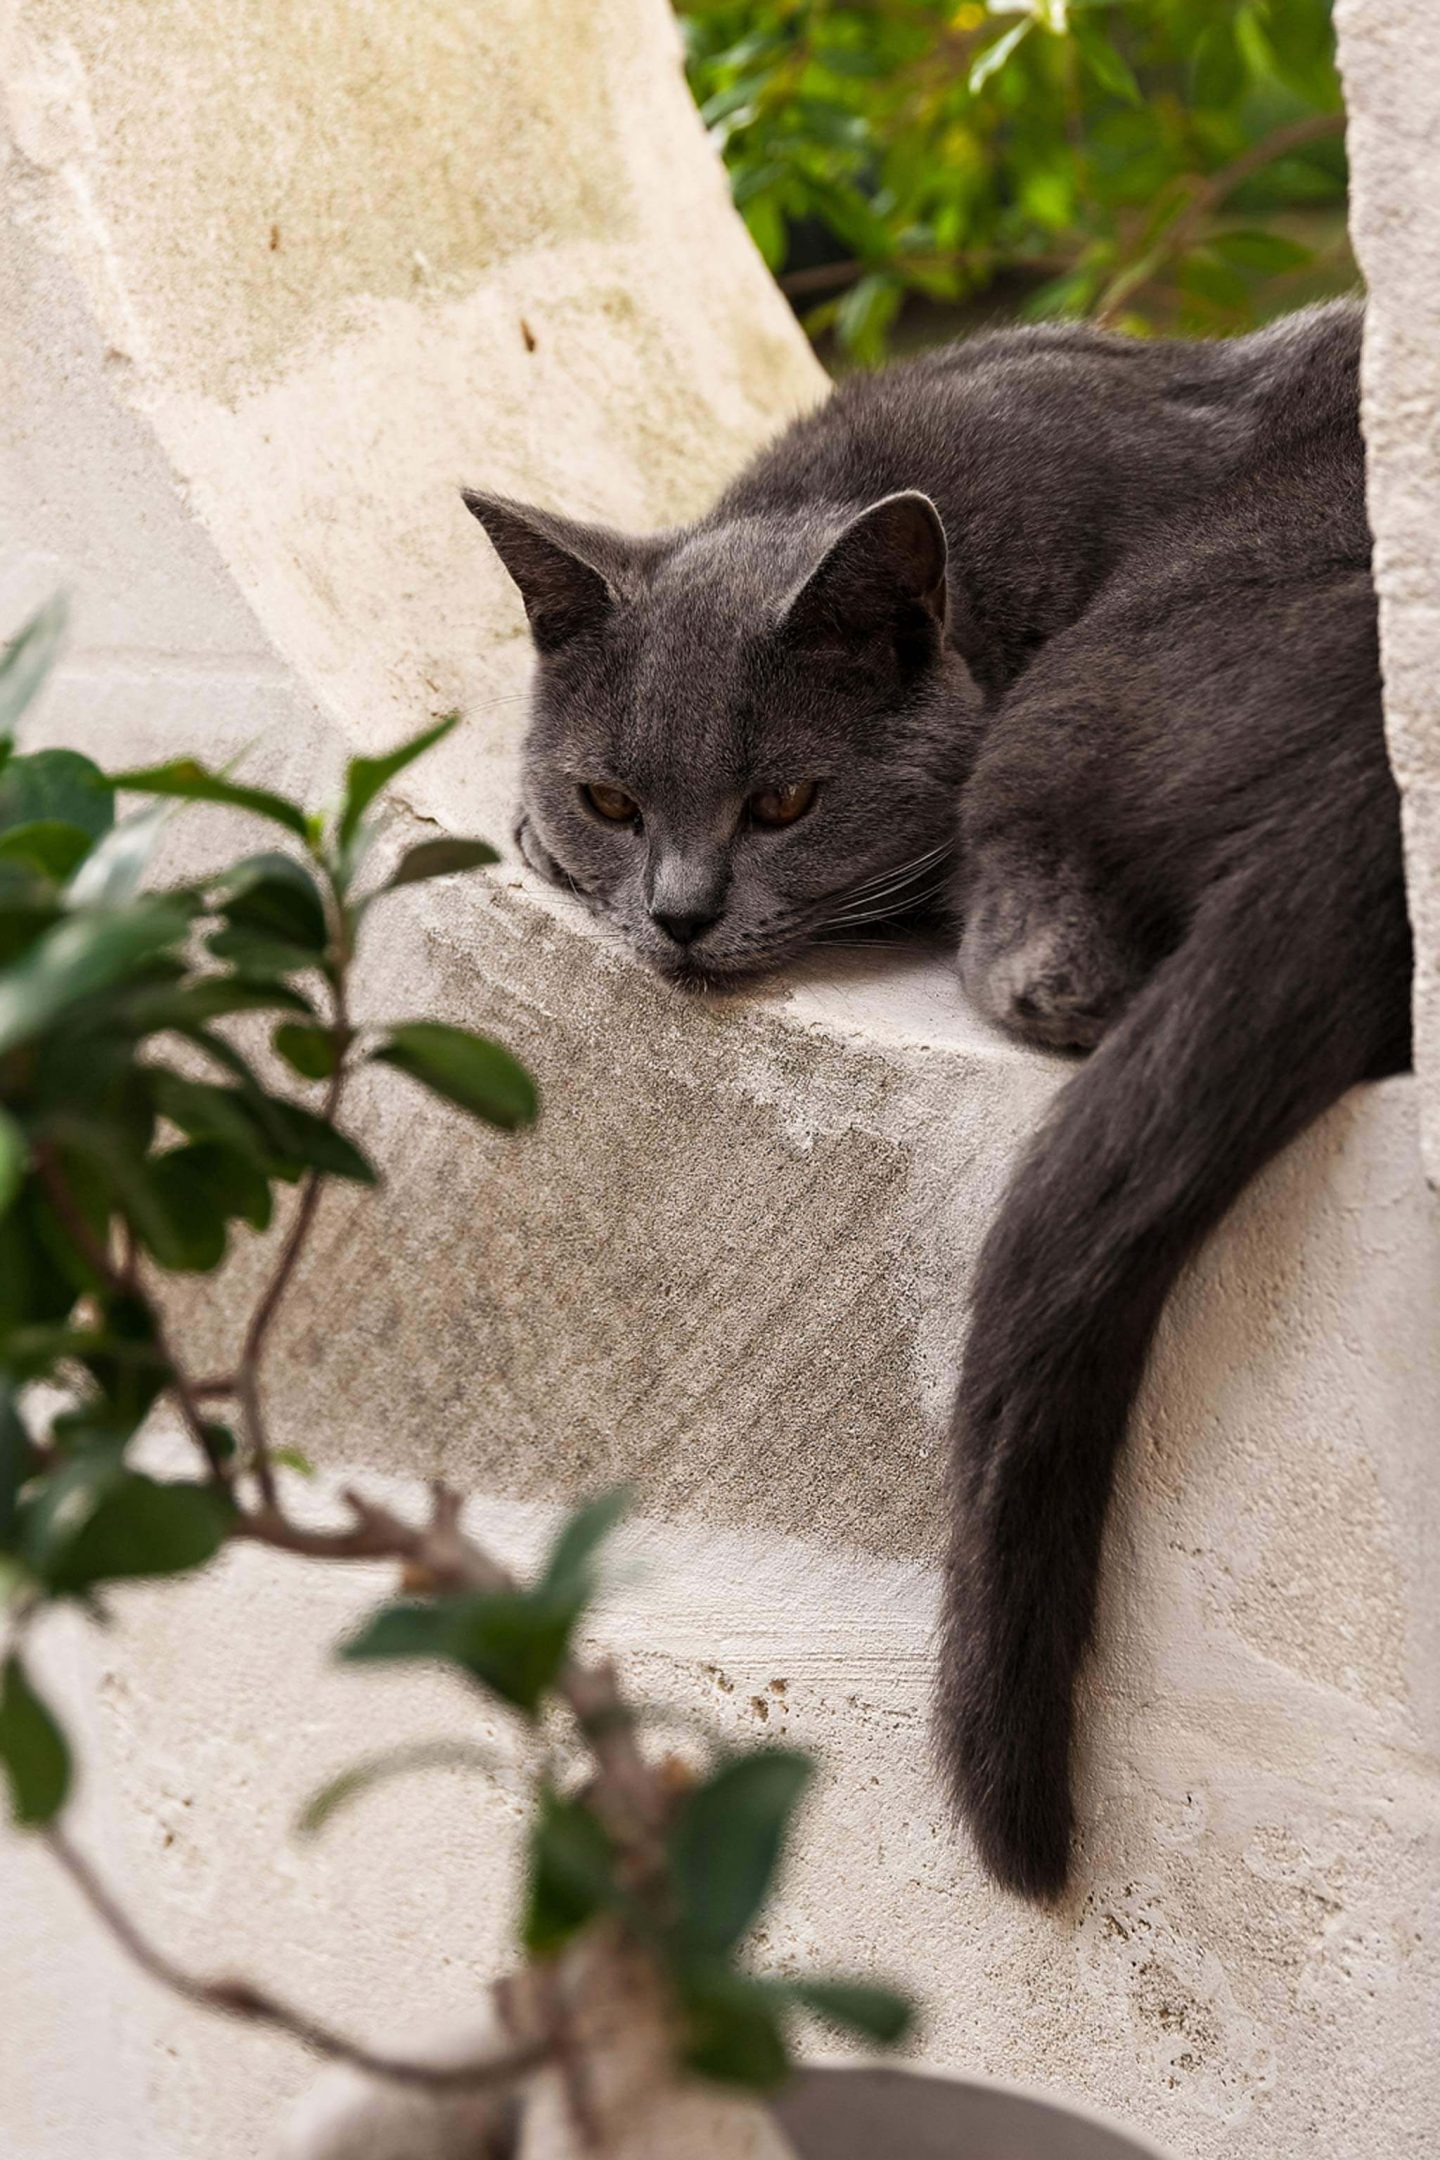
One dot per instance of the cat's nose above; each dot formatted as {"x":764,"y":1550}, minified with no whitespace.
{"x":684,"y":925}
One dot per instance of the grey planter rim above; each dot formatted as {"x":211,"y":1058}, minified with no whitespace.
{"x":875,"y":2094}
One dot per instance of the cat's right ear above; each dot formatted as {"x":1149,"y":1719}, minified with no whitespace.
{"x":882,"y":577}
{"x":569,"y":575}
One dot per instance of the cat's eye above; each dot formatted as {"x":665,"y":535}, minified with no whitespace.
{"x":611,"y":803}
{"x":782,"y":806}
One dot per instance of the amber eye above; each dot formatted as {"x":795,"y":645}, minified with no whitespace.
{"x":782,"y":805}
{"x":610,"y":802}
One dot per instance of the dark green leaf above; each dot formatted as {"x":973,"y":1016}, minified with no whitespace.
{"x":734,"y":2032}
{"x":78,"y":957}
{"x":570,"y":1570}
{"x":234,"y":1189}
{"x":366,"y":776}
{"x":174,"y":1221}
{"x":17,"y":1462}
{"x":28,"y":659}
{"x":1269,"y":252}
{"x":206,"y":1112}
{"x":56,"y":787}
{"x":309,"y":1051}
{"x":213,"y":997}
{"x":875,"y":2013}
{"x":1217,"y":66}
{"x":254,"y":954}
{"x":14,"y":1151}
{"x":38,"y":1280}
{"x":727,"y":1842}
{"x":33,"y":1749}
{"x":469,"y":1070}
{"x":128,"y":1527}
{"x":47,"y":845}
{"x":304,"y":1141}
{"x":571,"y":1874}
{"x":395,"y":1762}
{"x":439,"y":858}
{"x":191,"y":781}
{"x":193,"y":1241}
{"x":1110,"y":68}
{"x":125,"y":1362}
{"x":276,"y":897}
{"x":513,"y":1642}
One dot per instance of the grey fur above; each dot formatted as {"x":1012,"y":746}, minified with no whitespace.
{"x":1076,"y":635}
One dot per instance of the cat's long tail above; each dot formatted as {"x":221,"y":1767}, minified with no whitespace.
{"x":1276,"y":1002}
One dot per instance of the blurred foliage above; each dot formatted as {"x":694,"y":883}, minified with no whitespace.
{"x":1150,"y":164}
{"x":147,"y":1127}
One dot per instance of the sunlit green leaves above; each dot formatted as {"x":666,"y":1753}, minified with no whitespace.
{"x":885,"y":151}
{"x":33,"y":1751}
{"x":469,"y":1070}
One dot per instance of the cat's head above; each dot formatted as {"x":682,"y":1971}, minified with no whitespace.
{"x":744,"y":734}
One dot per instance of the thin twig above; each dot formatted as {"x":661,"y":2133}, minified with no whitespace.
{"x":238,"y":1998}
{"x":1207,"y":195}
{"x":438,"y":1559}
{"x":248,"y":1387}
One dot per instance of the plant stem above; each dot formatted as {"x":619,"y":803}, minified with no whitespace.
{"x":247,"y":1372}
{"x":1207,"y":195}
{"x":441,"y":1559}
{"x":238,"y":1998}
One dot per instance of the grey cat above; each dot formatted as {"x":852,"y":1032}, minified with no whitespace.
{"x":1069,"y":640}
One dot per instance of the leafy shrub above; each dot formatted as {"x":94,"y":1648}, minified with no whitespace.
{"x":136,"y":1136}
{"x":1156,"y":163}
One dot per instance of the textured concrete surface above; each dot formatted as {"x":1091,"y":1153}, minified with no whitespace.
{"x":731,"y":1262}
{"x":1390,"y":59}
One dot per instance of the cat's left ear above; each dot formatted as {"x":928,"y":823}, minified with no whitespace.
{"x":883,"y":576}
{"x":571,"y":576}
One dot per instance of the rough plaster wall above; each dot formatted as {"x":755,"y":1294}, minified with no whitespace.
{"x":1390,"y":58}
{"x":731,"y":1262}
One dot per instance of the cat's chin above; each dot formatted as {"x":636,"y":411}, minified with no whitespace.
{"x":699,"y":977}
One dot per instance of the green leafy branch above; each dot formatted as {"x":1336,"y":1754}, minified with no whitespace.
{"x":142,"y":1129}
{"x":1086,"y":152}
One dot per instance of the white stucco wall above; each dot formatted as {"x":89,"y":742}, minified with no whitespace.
{"x":1390,"y":59}
{"x":273,"y":281}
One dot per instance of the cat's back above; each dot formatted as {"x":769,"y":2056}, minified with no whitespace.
{"x":1058,"y":405}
